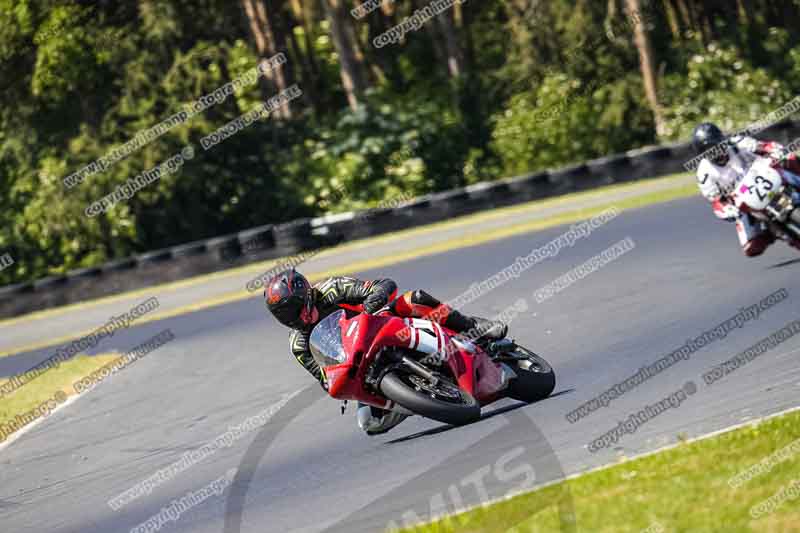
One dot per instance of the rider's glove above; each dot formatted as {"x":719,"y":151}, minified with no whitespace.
{"x":731,"y":211}
{"x":375,"y":302}
{"x":779,"y":154}
{"x":725,"y":210}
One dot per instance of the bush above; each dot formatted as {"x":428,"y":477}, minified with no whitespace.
{"x":385,"y":149}
{"x":567,"y":121}
{"x":720,"y":87}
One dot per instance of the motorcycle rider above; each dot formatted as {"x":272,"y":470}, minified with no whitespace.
{"x":726,"y":162}
{"x":295,"y":303}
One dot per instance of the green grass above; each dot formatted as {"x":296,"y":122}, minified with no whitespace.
{"x":45,"y":386}
{"x":682,"y":489}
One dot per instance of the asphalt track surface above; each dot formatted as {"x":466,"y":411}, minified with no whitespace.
{"x":311,"y":469}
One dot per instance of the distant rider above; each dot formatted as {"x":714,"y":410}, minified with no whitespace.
{"x":297,"y":304}
{"x":727,"y":162}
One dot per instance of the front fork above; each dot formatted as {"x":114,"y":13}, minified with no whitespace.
{"x":785,"y":228}
{"x":501,"y":352}
{"x":788,"y":231}
{"x":396,"y":360}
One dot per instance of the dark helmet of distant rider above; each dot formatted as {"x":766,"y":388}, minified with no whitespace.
{"x":707,"y":136}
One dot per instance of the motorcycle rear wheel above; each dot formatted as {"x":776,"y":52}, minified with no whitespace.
{"x":443,"y":402}
{"x":535,"y":377}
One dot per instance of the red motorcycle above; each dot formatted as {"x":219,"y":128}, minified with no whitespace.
{"x":416,"y":366}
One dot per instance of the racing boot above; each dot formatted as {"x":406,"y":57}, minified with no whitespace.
{"x":490,"y":330}
{"x":374,"y":421}
{"x":475,"y":328}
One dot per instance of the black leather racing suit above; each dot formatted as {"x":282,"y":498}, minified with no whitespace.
{"x":328,"y":296}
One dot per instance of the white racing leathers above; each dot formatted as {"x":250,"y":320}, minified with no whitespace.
{"x":717,"y":183}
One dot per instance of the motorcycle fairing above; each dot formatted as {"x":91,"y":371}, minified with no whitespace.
{"x":363,"y":337}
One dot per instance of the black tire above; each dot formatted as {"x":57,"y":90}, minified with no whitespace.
{"x":399,"y":388}
{"x":535,"y":378}
{"x":792,"y":226}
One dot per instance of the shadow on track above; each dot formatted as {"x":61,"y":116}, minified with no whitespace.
{"x":416,"y":496}
{"x":484,"y":416}
{"x":786,"y":263}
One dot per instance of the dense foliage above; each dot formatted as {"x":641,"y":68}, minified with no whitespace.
{"x":481,"y":91}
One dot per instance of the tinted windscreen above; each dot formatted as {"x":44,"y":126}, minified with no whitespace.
{"x":326,"y":341}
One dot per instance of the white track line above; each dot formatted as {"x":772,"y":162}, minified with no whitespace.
{"x":24,"y":429}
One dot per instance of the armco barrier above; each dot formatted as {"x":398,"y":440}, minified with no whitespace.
{"x":267,"y":242}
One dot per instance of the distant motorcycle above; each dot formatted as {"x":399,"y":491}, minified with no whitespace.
{"x":771,"y":194}
{"x":377,"y":360}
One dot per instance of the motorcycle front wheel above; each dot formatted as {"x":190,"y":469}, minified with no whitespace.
{"x":535,"y":377}
{"x":794,"y":217}
{"x":443,"y":401}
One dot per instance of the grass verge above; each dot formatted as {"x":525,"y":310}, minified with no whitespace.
{"x":56,"y":381}
{"x":686,"y":488}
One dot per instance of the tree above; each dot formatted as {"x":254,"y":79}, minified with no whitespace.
{"x":646,"y":61}
{"x":455,"y":54}
{"x":350,"y":57}
{"x":267,"y":30}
